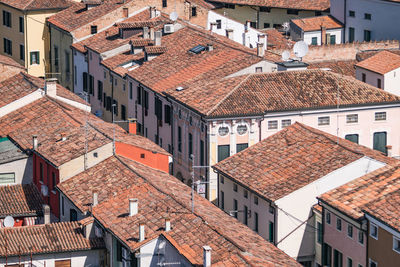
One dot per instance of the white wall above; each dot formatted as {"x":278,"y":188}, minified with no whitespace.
{"x":89,"y":258}
{"x":298,"y":205}
{"x":80,"y":66}
{"x":309,"y":35}
{"x":391,"y":82}
{"x":384,"y":22}
{"x":22,"y":168}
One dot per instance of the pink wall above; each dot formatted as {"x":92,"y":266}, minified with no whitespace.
{"x":339,"y":240}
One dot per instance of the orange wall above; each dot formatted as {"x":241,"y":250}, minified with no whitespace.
{"x":154,"y":160}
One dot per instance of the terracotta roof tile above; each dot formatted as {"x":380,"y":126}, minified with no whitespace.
{"x":358,"y":194}
{"x":315,"y":23}
{"x":369,"y":53}
{"x":20,"y":200}
{"x":37,"y":4}
{"x":116,"y":62}
{"x":160,"y":195}
{"x":179,"y":67}
{"x":45,"y":238}
{"x":386,"y":209}
{"x":291,"y":159}
{"x":318,"y":5}
{"x":77,"y":15}
{"x":5,"y":60}
{"x":277,"y":40}
{"x":155,"y":49}
{"x":382,"y":63}
{"x":345,"y":67}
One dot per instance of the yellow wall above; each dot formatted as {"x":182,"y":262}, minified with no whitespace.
{"x":34,"y":38}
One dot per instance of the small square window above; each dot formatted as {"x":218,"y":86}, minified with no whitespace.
{"x":256,"y":200}
{"x":323,"y":121}
{"x":93,"y":29}
{"x":350,"y":230}
{"x":338,"y":224}
{"x":352,"y":13}
{"x":259,"y":69}
{"x":267,"y":25}
{"x":367,"y":16}
{"x":373,"y":230}
{"x":235,"y":187}
{"x":245,"y":193}
{"x":352,"y":118}
{"x":396,"y":244}
{"x":380,"y":116}
{"x":286,"y":123}
{"x":328,"y":218}
{"x":314,"y":41}
{"x":194,"y":11}
{"x":272,"y":125}
{"x":34,"y":57}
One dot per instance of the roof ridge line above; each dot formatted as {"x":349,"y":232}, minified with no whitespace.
{"x":229,"y":94}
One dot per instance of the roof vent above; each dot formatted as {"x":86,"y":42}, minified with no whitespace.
{"x":198,"y":49}
{"x":179,"y":88}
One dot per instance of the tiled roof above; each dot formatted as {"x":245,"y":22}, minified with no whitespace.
{"x":109,"y":39}
{"x":381,"y":63}
{"x":77,"y":15}
{"x":356,"y":195}
{"x":317,"y":5}
{"x":49,"y":119}
{"x":115,"y":63}
{"x":386,"y":209}
{"x":369,"y":53}
{"x":277,"y":40}
{"x":345,"y":67}
{"x":179,"y":67}
{"x":160,"y":195}
{"x":45,"y":238}
{"x":37,"y":4}
{"x":291,"y":159}
{"x":155,"y":49}
{"x":20,"y":200}
{"x":315,"y":23}
{"x":5,"y":60}
{"x":137,"y":24}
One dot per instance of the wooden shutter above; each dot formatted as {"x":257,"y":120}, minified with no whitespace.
{"x":63,"y":263}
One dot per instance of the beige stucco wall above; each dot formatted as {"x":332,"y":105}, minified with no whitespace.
{"x":12,"y":33}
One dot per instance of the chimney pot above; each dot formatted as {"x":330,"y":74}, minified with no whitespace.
{"x":260,"y":49}
{"x":95,"y":199}
{"x":133,"y":206}
{"x":389,"y":151}
{"x":141,"y":232}
{"x":50,"y":87}
{"x":206,"y":256}
{"x":210,"y":47}
{"x":34,"y":142}
{"x":167,"y":224}
{"x":46,"y":213}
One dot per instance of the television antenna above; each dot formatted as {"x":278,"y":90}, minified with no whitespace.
{"x":8,"y":221}
{"x":286,"y":55}
{"x":300,"y":49}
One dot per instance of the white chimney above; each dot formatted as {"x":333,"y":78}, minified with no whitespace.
{"x":389,"y":151}
{"x":247,"y":28}
{"x":141,"y":232}
{"x":157,"y":40}
{"x":133,"y":206}
{"x":146,"y":34}
{"x":34,"y":142}
{"x":206,"y":256}
{"x":95,"y":199}
{"x":153,"y":12}
{"x":229,"y":33}
{"x":260,"y":49}
{"x":167,"y":224}
{"x":210,"y":47}
{"x":46,"y":213}
{"x":152,"y":33}
{"x":262,"y":38}
{"x":50,"y":87}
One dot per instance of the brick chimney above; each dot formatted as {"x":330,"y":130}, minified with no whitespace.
{"x":132,"y":126}
{"x":323,"y":35}
{"x":50,"y":87}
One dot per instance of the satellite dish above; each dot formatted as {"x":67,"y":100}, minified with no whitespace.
{"x":300,"y":49}
{"x":8,"y":221}
{"x":173,"y":16}
{"x":286,"y":26}
{"x":285,"y":55}
{"x":45,"y":190}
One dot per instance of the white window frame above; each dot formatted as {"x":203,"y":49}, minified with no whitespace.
{"x":371,"y":261}
{"x":381,"y":112}
{"x":272,"y":121}
{"x":394,"y":242}
{"x":283,"y":125}
{"x":324,"y":124}
{"x":377,"y":230}
{"x":349,"y":121}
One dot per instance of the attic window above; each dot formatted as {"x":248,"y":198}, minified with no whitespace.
{"x":93,"y":29}
{"x":197,"y":49}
